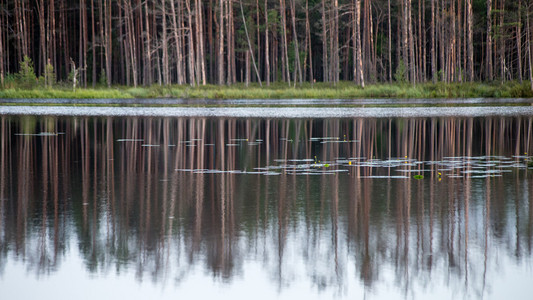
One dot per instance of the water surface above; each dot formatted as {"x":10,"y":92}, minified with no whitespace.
{"x":233,"y":208}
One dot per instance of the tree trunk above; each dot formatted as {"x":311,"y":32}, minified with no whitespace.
{"x":519,"y":41}
{"x":358,"y":61}
{"x":258,"y":32}
{"x":179,"y":46}
{"x":501,"y":41}
{"x":433,"y":41}
{"x":42,"y":39}
{"x":284,"y":43}
{"x":201,"y":44}
{"x":148,"y":72}
{"x":108,"y":43}
{"x":132,"y":43}
{"x":191,"y":58}
{"x":325,"y":67}
{"x":250,"y":50}
{"x":405,"y":35}
{"x":308,"y":44}
{"x":390,"y":39}
{"x":490,"y":73}
{"x":232,"y":69}
{"x":2,"y":57}
{"x":93,"y":34}
{"x":297,"y":67}
{"x":84,"y":35}
{"x":221,"y":44}
{"x":530,"y":56}
{"x":164,"y":43}
{"x":267,"y":51}
{"x":470,"y":33}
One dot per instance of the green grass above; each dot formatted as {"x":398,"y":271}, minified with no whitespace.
{"x":343,"y":90}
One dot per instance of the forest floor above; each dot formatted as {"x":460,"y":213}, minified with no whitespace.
{"x":343,"y":90}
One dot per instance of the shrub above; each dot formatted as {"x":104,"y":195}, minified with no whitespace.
{"x":49,"y":75}
{"x":401,"y":73}
{"x":26,"y":76}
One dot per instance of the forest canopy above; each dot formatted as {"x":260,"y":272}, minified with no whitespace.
{"x":144,"y":42}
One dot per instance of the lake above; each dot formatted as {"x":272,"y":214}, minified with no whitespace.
{"x":269,"y":203}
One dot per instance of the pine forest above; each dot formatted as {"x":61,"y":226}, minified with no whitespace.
{"x":193,"y":42}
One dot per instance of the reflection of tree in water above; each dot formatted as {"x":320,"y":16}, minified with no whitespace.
{"x":110,"y":187}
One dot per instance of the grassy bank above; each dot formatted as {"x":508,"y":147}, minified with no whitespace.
{"x":343,"y":90}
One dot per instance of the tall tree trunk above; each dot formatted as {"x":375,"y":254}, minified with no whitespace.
{"x":501,"y":41}
{"x":390,"y":39}
{"x":42,"y":39}
{"x":297,"y":67}
{"x":369,"y":55}
{"x":459,"y":68}
{"x":132,"y":42}
{"x":411,"y":44}
{"x":200,"y":40}
{"x":84,"y":36}
{"x":470,"y":33}
{"x":179,"y":46}
{"x":221,"y":44}
{"x":441,"y":41}
{"x":519,"y":41}
{"x":308,"y":44}
{"x":93,"y":34}
{"x":433,"y":41}
{"x":258,"y":32}
{"x":490,"y":73}
{"x":250,"y":50}
{"x":325,"y":67}
{"x":358,"y":61}
{"x":191,"y":58}
{"x":405,"y":35}
{"x":52,"y":42}
{"x":148,"y":72}
{"x":284,"y":43}
{"x":164,"y":43}
{"x":232,"y":69}
{"x":2,"y":57}
{"x":211,"y":43}
{"x":108,"y":44}
{"x":530,"y":56}
{"x":267,"y":51}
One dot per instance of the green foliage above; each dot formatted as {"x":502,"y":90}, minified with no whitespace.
{"x":343,"y":90}
{"x":401,"y":73}
{"x":10,"y":81}
{"x":26,"y":78}
{"x":418,"y":177}
{"x":50,"y":75}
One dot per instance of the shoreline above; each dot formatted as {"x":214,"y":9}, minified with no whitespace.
{"x":324,"y":91}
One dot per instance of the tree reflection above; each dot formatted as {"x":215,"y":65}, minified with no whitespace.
{"x":166,"y":195}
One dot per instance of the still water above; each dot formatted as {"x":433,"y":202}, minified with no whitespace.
{"x":131,"y":207}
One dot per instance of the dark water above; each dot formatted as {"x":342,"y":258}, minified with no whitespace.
{"x":229,"y":208}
